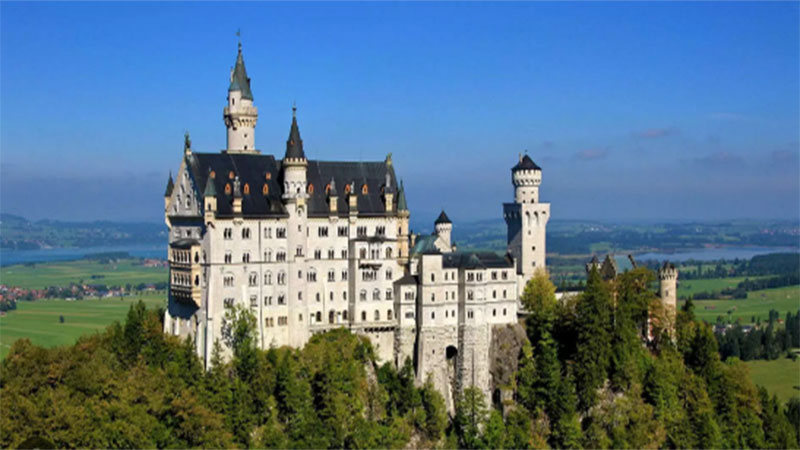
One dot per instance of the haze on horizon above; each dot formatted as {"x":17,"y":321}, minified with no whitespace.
{"x":635,"y":111}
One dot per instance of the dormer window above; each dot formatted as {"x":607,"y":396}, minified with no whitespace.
{"x":327,"y":188}
{"x":246,"y":189}
{"x":212,"y":174}
{"x":346,"y":188}
{"x":364,"y":189}
{"x":310,"y":188}
{"x":268,"y":176}
{"x":230,"y":175}
{"x":265,"y":189}
{"x":227,"y":189}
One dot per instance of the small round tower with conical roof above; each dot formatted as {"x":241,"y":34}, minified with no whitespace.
{"x":239,"y":114}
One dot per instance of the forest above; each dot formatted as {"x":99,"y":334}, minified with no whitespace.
{"x":593,"y":374}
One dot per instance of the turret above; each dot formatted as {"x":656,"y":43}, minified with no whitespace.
{"x":239,"y":114}
{"x":668,"y":285}
{"x":526,"y":176}
{"x":444,"y":227}
{"x":403,"y":215}
{"x":294,"y":164}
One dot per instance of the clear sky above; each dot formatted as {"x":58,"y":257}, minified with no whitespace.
{"x":635,"y":111}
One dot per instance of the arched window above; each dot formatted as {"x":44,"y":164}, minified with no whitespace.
{"x":327,"y":189}
{"x":247,"y":189}
{"x":311,"y":188}
{"x":331,"y":315}
{"x":363,"y":316}
{"x":388,"y":314}
{"x":364,"y":189}
{"x":388,"y":252}
{"x":344,"y":315}
{"x":319,"y":317}
{"x":376,"y":294}
{"x":230,"y":175}
{"x":268,"y":278}
{"x":377,"y":315}
{"x":227,"y":189}
{"x":265,"y":189}
{"x":346,"y":188}
{"x":212,"y":174}
{"x":363,"y":294}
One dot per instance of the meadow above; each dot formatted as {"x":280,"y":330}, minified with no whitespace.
{"x":691,"y":287}
{"x":118,"y":273}
{"x":781,"y":376}
{"x":40,"y":322}
{"x":757,"y":303}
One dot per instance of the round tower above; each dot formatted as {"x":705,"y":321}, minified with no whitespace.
{"x":444,"y":227}
{"x":240,"y":115}
{"x":526,"y":176}
{"x":668,"y":286}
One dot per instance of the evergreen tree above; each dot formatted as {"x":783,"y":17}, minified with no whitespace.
{"x":471,"y":415}
{"x":593,"y":324}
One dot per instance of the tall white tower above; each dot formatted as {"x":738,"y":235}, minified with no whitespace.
{"x":239,"y":114}
{"x":526,"y":218}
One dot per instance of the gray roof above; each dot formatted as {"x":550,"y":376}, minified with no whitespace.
{"x":442,"y":219}
{"x":425,"y":244}
{"x":294,"y":145}
{"x":256,"y":170}
{"x":526,"y":163}
{"x":184,"y":243}
{"x":239,"y":79}
{"x":408,"y":279}
{"x":476,"y":260}
{"x":402,"y":205}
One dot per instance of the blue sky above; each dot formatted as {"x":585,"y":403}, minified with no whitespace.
{"x":635,"y":111}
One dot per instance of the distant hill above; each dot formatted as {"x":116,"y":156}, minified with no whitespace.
{"x":19,"y":233}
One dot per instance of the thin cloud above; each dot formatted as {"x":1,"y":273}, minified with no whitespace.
{"x":719,"y":160}
{"x":591,"y":154}
{"x":653,"y":133}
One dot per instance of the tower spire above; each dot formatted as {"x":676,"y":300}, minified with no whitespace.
{"x":294,"y":145}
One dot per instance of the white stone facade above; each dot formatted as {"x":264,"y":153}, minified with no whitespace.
{"x":308,"y":246}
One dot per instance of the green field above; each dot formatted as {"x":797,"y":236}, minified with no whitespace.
{"x":691,"y":287}
{"x":63,"y":273}
{"x":757,"y":303}
{"x":781,"y":376}
{"x":39,"y":320}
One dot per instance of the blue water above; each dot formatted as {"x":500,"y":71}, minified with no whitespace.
{"x":9,"y":257}
{"x":715,"y":253}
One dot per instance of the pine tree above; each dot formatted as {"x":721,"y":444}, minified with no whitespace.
{"x":593,"y":325}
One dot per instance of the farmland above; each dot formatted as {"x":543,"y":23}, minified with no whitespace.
{"x":40,"y":322}
{"x":781,"y":376}
{"x":119,"y":273}
{"x":757,"y":303}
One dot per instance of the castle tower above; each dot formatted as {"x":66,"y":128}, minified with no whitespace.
{"x":444,"y":228}
{"x":295,"y":196}
{"x":668,"y":289}
{"x":527,"y":218}
{"x":239,"y":114}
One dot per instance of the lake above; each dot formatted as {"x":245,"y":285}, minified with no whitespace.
{"x":10,"y":257}
{"x":714,"y":253}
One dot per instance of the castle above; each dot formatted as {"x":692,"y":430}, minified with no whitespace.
{"x":308,"y":246}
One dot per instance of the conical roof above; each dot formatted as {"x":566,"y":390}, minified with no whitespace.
{"x":526,"y":163}
{"x":239,"y":79}
{"x":401,"y":198}
{"x":442,"y":219}
{"x":294,"y":145}
{"x":211,"y":190}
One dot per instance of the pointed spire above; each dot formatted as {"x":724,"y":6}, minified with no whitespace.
{"x":239,"y":79}
{"x":442,"y":219}
{"x":401,"y":198}
{"x":294,"y":145}
{"x":170,"y":186}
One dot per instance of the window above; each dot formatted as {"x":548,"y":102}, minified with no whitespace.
{"x":265,"y":189}
{"x":362,"y":253}
{"x":433,"y":297}
{"x":388,"y":252}
{"x":331,"y":275}
{"x":283,"y":320}
{"x":343,"y":232}
{"x":281,"y":278}
{"x":317,"y":254}
{"x":504,"y":293}
{"x":227,"y":281}
{"x":388,"y":294}
{"x":322,"y":231}
{"x":376,"y":294}
{"x":331,"y":316}
{"x":282,"y":299}
{"x":268,"y":300}
{"x":344,"y":275}
{"x":470,"y":295}
{"x":227,"y":189}
{"x":227,"y":233}
{"x":363,"y":316}
{"x":494,"y":275}
{"x":344,"y":315}
{"x":504,"y":311}
{"x":409,"y":314}
{"x":280,"y":233}
{"x":245,"y":233}
{"x":253,"y":279}
{"x":377,"y":315}
{"x":494,"y":294}
{"x":299,"y":251}
{"x":364,"y":189}
{"x":361,"y":231}
{"x":253,"y":301}
{"x":319,"y":317}
{"x":494,"y":313}
{"x":267,"y":232}
{"x":280,"y":256}
{"x":504,"y":275}
{"x":380,"y":231}
{"x":433,"y":277}
{"x":228,"y":302}
{"x":470,"y":314}
{"x":344,"y":253}
{"x":310,"y":188}
{"x":409,"y":295}
{"x":246,"y":257}
{"x":362,"y":295}
{"x":330,"y":295}
{"x":311,"y":275}
{"x":268,"y":256}
{"x":300,"y":274}
{"x":344,"y":295}
{"x":433,"y":314}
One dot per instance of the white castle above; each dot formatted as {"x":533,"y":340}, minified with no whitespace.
{"x":309,"y":246}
